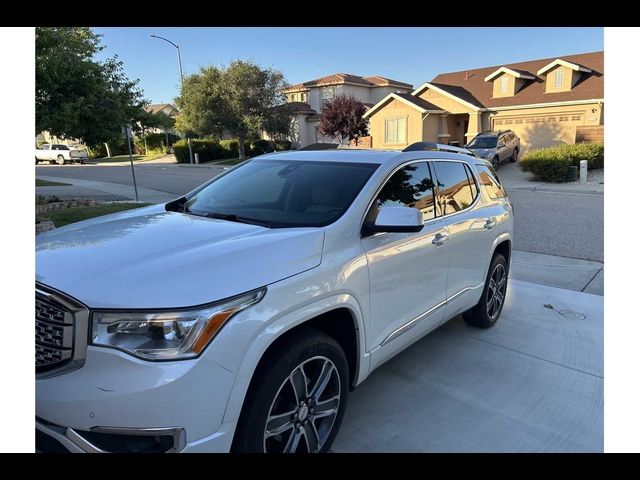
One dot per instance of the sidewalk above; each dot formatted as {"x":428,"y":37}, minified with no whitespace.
{"x":89,"y":189}
{"x":515,"y":179}
{"x":164,"y":159}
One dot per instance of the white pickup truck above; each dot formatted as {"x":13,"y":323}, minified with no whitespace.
{"x":60,"y":154}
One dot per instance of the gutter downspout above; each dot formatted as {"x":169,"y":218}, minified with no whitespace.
{"x":423,"y":119}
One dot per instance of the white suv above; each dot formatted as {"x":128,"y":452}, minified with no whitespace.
{"x":238,"y":317}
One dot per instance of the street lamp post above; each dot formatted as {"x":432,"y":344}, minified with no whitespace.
{"x":181,"y":82}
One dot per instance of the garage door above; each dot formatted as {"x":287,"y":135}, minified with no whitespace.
{"x":537,"y":131}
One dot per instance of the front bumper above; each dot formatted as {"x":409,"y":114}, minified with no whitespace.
{"x":182,"y":401}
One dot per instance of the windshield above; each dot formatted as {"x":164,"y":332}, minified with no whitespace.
{"x":283,"y":193}
{"x":483,"y":142}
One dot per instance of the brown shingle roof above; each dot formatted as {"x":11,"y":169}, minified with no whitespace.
{"x":470,"y":86}
{"x":300,"y":107}
{"x":295,"y":88}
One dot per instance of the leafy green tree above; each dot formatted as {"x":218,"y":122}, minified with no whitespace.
{"x":239,"y":99}
{"x":78,"y":96}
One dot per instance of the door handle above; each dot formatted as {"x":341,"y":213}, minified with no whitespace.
{"x":439,"y":239}
{"x":490,"y":223}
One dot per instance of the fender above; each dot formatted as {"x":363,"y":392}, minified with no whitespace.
{"x":498,"y":240}
{"x":275,"y":329}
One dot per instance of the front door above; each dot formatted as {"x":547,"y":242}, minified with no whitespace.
{"x":407,"y":271}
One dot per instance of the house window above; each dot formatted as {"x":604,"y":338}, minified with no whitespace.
{"x":558,"y":79}
{"x":504,"y":84}
{"x":576,"y":118}
{"x":326,"y":95}
{"x":564,"y":119}
{"x":395,"y":130}
{"x":303,"y":97}
{"x":518,"y":120}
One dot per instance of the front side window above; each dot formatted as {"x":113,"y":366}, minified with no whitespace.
{"x":504,"y":84}
{"x":558,"y":80}
{"x":411,"y":186}
{"x":454,"y":192}
{"x":46,"y":146}
{"x":395,"y":130}
{"x":282,"y":193}
{"x":326,"y":95}
{"x":489,"y":180}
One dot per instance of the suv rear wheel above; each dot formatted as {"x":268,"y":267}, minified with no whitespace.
{"x":486,"y":313}
{"x":61,"y":160}
{"x":297,"y":398}
{"x":514,"y":157}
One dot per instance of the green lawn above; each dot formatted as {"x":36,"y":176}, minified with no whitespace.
{"x":75,"y":214}
{"x":47,"y":183}
{"x":125,"y":158}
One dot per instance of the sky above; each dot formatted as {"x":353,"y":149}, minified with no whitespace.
{"x":408,"y":54}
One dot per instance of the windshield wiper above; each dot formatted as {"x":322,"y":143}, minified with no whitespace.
{"x":235,"y":218}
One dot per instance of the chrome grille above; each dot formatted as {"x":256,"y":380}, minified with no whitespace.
{"x":54,"y":334}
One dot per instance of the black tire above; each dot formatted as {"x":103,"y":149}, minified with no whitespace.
{"x":61,"y":160}
{"x":36,"y":160}
{"x":305,"y":345}
{"x":479,"y":315}
{"x":514,"y":157}
{"x":495,"y":161}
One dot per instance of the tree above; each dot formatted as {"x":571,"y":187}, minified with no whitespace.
{"x":77,"y":96}
{"x":342,"y":117}
{"x":239,"y":99}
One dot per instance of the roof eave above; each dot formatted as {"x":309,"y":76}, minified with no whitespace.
{"x":425,"y":85}
{"x":521,"y":75}
{"x":564,"y":63}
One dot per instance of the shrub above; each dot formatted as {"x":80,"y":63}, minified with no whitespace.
{"x":229,"y":148}
{"x":552,"y":164}
{"x":259,"y":147}
{"x":281,"y":145}
{"x":207,"y":150}
{"x":156,"y":143}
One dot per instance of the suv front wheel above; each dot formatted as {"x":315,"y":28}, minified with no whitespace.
{"x":495,"y":162}
{"x":297,"y":397}
{"x":486,"y":313}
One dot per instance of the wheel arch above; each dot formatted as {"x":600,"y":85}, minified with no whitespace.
{"x":338,"y":316}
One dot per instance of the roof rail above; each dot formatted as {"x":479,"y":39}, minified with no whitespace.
{"x":441,"y":147}
{"x":319,"y":146}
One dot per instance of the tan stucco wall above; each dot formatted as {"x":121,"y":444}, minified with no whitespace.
{"x":393,"y":109}
{"x":536,"y":133}
{"x":444,"y":102}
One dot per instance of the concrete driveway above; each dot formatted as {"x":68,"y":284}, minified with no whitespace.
{"x":532,"y":383}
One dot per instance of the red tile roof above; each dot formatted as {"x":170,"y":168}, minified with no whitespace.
{"x":341,"y":78}
{"x":469,"y":85}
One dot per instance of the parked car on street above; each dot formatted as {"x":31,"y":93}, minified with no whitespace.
{"x":496,"y":146}
{"x":60,"y":154}
{"x":239,"y":316}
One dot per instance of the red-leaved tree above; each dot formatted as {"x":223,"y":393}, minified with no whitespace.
{"x":342,"y":117}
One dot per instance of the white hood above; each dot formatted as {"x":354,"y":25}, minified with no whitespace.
{"x":151,"y":258}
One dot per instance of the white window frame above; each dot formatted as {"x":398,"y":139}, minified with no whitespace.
{"x":324,"y":98}
{"x":396,"y":141}
{"x":558,"y":75}
{"x":504,"y":84}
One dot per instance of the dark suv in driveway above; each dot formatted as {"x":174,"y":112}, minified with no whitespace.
{"x":496,"y":146}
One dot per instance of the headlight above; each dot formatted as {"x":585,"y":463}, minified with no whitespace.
{"x":167,"y":335}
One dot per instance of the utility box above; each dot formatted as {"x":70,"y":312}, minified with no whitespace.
{"x":583,"y":171}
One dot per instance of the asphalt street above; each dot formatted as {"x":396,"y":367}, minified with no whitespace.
{"x":563,"y":224}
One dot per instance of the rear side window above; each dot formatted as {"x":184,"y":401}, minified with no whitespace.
{"x":411,"y":186}
{"x":489,"y":180}
{"x":455,"y":192}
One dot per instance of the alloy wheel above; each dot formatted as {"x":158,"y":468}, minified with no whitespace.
{"x":496,"y":291}
{"x":495,"y":162}
{"x":304,"y":410}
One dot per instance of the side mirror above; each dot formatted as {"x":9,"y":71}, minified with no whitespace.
{"x":396,"y":220}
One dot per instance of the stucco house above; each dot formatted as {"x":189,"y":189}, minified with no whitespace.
{"x":168,"y":109}
{"x":545,"y":102}
{"x":307,"y":99}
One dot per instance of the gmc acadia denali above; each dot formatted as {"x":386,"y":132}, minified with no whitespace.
{"x":239,"y":316}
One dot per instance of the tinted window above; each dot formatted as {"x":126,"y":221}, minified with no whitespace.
{"x":411,"y":186}
{"x":284,"y":193}
{"x":489,"y":180}
{"x":472,"y":182}
{"x":483,"y":142}
{"x":60,"y":147}
{"x":454,"y":190}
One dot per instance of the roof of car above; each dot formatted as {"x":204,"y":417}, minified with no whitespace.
{"x":366,"y":156}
